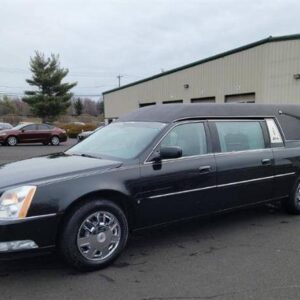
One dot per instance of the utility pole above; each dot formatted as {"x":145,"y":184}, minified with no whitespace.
{"x":119,"y":79}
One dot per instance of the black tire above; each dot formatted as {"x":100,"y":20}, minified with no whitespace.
{"x":12,"y":141}
{"x":67,"y":244}
{"x":55,"y":140}
{"x":292,"y":204}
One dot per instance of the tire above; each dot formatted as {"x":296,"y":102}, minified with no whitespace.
{"x":87,"y":244}
{"x":55,"y":141}
{"x":12,"y":141}
{"x":292,"y":204}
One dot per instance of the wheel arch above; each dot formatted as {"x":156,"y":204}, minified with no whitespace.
{"x":122,"y":200}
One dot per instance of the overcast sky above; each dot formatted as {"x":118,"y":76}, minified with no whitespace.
{"x":99,"y":39}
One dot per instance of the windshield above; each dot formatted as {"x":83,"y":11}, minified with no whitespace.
{"x":123,"y":140}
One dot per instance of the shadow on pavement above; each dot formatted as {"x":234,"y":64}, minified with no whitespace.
{"x":141,"y":243}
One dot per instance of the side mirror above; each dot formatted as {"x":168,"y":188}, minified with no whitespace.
{"x":170,"y":152}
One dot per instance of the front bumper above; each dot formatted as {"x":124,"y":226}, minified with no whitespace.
{"x":40,"y":230}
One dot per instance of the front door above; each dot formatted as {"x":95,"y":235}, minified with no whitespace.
{"x":179,"y":188}
{"x":28,"y":134}
{"x":244,"y":162}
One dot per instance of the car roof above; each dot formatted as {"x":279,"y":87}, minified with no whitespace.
{"x":287,"y":115}
{"x":168,"y":113}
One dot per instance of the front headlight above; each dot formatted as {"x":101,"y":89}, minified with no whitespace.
{"x":14,"y":204}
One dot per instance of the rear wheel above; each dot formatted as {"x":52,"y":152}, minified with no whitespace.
{"x":292,"y":204}
{"x":55,"y":141}
{"x":94,"y":235}
{"x":12,"y":141}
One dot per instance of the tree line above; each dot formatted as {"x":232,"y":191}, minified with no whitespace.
{"x":78,"y":106}
{"x":50,"y":95}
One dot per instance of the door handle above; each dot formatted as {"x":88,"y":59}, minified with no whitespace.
{"x":266,"y":161}
{"x":205,"y":169}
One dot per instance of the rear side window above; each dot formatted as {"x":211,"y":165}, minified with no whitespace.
{"x":189,"y":137}
{"x":43,"y":127}
{"x":240,"y":135}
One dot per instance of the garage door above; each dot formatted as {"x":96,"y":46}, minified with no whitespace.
{"x":240,"y":98}
{"x":203,"y":100}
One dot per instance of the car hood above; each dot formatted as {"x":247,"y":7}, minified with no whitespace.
{"x":50,"y":168}
{"x":86,"y":133}
{"x":8,"y":131}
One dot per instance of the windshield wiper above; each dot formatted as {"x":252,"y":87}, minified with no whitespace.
{"x":86,"y":155}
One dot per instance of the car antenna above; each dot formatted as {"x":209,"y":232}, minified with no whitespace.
{"x":280,"y":112}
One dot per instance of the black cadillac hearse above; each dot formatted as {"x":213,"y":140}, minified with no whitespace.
{"x":156,"y":165}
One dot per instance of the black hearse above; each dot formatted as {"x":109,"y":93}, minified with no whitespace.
{"x":153,"y":166}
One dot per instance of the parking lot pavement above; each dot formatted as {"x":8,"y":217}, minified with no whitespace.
{"x":23,"y":151}
{"x":251,"y":254}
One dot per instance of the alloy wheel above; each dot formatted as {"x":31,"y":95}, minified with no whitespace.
{"x":55,"y":141}
{"x":99,"y":236}
{"x":12,"y":141}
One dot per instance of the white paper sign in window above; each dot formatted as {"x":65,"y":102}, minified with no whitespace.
{"x":275,"y":135}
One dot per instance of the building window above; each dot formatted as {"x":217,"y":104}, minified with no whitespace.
{"x":240,"y":98}
{"x":146,"y":104}
{"x":204,"y":100}
{"x":172,"y":101}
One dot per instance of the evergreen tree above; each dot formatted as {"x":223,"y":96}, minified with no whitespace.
{"x":51,"y":97}
{"x":78,"y":106}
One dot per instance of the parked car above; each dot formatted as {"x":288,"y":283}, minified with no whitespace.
{"x":83,"y":135}
{"x":4,"y":126}
{"x":33,"y":133}
{"x":154,"y":166}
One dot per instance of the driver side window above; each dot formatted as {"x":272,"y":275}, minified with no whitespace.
{"x":29,"y":128}
{"x":190,"y":137}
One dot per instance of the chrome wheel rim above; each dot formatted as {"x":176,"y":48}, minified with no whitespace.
{"x":55,"y":141}
{"x":297,"y":196}
{"x":12,"y":141}
{"x":99,"y":236}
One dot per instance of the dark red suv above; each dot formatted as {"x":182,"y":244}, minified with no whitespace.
{"x":33,"y":133}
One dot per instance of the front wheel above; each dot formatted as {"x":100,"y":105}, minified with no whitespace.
{"x":94,"y":235}
{"x":12,"y":141}
{"x":292,"y":204}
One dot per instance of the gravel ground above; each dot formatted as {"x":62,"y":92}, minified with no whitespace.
{"x":251,"y":254}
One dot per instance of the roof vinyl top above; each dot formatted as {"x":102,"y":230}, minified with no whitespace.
{"x":168,"y":113}
{"x":287,"y":115}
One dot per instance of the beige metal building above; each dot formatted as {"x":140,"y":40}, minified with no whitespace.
{"x":267,"y":71}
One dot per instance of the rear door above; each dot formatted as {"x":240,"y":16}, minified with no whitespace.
{"x":43,"y":133}
{"x":244,"y":162}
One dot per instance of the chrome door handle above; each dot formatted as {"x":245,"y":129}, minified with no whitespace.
{"x":266,"y":161}
{"x":205,"y":169}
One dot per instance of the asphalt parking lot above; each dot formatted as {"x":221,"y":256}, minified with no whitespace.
{"x":251,"y":254}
